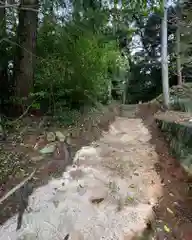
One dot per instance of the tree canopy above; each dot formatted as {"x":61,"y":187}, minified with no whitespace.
{"x":67,"y":54}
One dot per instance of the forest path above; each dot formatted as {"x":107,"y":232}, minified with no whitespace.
{"x":108,"y":193}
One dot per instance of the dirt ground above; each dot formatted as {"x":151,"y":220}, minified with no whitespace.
{"x":17,"y":151}
{"x":173,"y":214}
{"x":106,"y":193}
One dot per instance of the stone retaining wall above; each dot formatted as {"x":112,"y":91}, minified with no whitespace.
{"x":177,"y":127}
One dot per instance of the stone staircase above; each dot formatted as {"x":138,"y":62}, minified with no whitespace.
{"x":128,"y":110}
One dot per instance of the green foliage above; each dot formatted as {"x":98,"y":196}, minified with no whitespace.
{"x":66,"y":116}
{"x":78,"y":59}
{"x":73,"y":64}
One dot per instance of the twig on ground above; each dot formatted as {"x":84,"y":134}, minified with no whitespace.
{"x":16,"y":187}
{"x":22,"y":115}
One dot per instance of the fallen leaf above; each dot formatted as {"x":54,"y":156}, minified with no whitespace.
{"x":166,"y":228}
{"x":171,"y":194}
{"x":130,"y":199}
{"x":36,"y":146}
{"x":176,"y":203}
{"x":170,"y":211}
{"x":97,"y":200}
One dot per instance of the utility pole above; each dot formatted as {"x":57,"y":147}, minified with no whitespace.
{"x":164,"y":57}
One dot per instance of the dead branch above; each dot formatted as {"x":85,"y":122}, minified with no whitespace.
{"x":7,"y":195}
{"x":17,"y":5}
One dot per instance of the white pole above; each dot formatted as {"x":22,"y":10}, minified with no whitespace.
{"x":164,"y":57}
{"x":178,"y":45}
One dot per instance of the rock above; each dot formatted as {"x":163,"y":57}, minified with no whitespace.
{"x":49,"y":148}
{"x":76,"y":235}
{"x":37,"y":158}
{"x":81,"y":190}
{"x":66,"y":237}
{"x":56,"y":203}
{"x":28,"y":236}
{"x":76,"y":174}
{"x":60,"y":136}
{"x":98,"y":195}
{"x":51,"y":137}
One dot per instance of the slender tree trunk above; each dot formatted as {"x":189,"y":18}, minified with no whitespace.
{"x":179,"y":72}
{"x":4,"y":86}
{"x":164,"y":58}
{"x":3,"y":60}
{"x":3,"y":68}
{"x":124,"y":93}
{"x":25,"y":57}
{"x":178,"y":46}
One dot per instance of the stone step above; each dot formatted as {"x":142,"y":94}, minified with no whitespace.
{"x":128,"y":114}
{"x":129,"y":106}
{"x":128,"y":110}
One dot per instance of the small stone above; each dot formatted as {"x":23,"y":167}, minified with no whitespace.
{"x":81,"y":190}
{"x":37,"y":158}
{"x":49,"y":148}
{"x":136,"y":174}
{"x":76,"y":235}
{"x":98,"y":195}
{"x":51,"y":137}
{"x":56,"y":203}
{"x":27,"y":236}
{"x":76,"y":174}
{"x":60,"y":136}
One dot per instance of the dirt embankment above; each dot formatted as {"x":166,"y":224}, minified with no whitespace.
{"x":173,"y":214}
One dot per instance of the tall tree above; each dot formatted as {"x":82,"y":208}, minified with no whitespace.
{"x":3,"y":61}
{"x":185,"y":23}
{"x":178,"y":43}
{"x":164,"y":57}
{"x":26,"y":47}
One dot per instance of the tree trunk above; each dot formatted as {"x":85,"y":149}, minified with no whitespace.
{"x":26,"y":50}
{"x":4,"y":87}
{"x":3,"y":69}
{"x":179,"y":73}
{"x":164,"y":58}
{"x":178,"y":46}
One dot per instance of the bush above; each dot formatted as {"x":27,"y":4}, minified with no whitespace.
{"x":73,"y":64}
